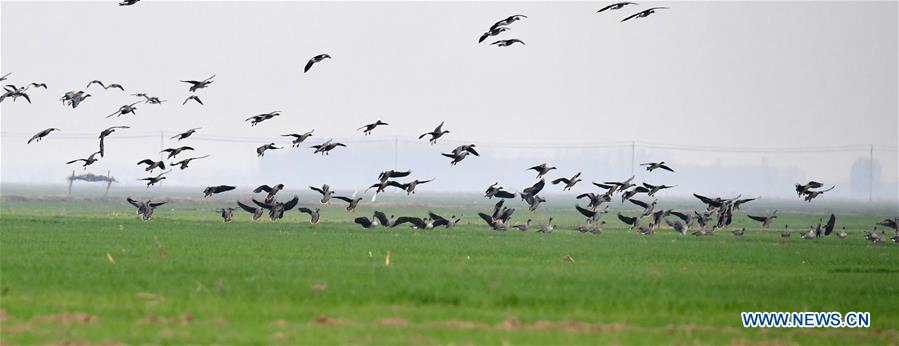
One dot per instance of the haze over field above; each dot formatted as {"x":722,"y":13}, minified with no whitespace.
{"x":685,"y":84}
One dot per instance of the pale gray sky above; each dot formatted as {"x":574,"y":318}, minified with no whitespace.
{"x":741,"y":74}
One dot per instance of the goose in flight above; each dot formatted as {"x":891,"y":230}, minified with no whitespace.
{"x":186,"y":134}
{"x":260,"y":151}
{"x":326,"y":147}
{"x":276,"y":209}
{"x":647,"y":207}
{"x":40,"y":135}
{"x":144,"y":209}
{"x":523,"y":227}
{"x":595,"y":200}
{"x":226,"y":213}
{"x":270,"y":191}
{"x":497,"y":191}
{"x":108,"y":131}
{"x":382,"y":185}
{"x":315,"y":214}
{"x":316,"y":59}
{"x":351,"y":202}
{"x":39,"y":85}
{"x":196,"y":85}
{"x":492,"y":32}
{"x":592,"y":215}
{"x":803,"y":189}
{"x":534,"y":202}
{"x":256,"y":119}
{"x":532,"y":190}
{"x":153,"y":100}
{"x":810,"y":195}
{"x":256,"y":211}
{"x":569,"y":182}
{"x":325,"y":191}
{"x":632,"y":221}
{"x":541,"y":169}
{"x":95,"y":82}
{"x":15,"y":93}
{"x":211,"y":190}
{"x":298,"y":138}
{"x":183,"y":163}
{"x":386,"y":175}
{"x":442,"y":221}
{"x":651,"y":166}
{"x":74,"y":98}
{"x":622,"y":185}
{"x":508,"y":20}
{"x":114,"y":86}
{"x":175,"y":151}
{"x":410,"y":186}
{"x":192,"y":97}
{"x":128,"y":2}
{"x":506,"y":43}
{"x":616,"y":6}
{"x":383,"y":220}
{"x":651,"y":190}
{"x":123,"y":110}
{"x":644,"y":13}
{"x":678,"y":226}
{"x":88,"y":161}
{"x":457,"y":157}
{"x":765,"y":220}
{"x":369,"y":127}
{"x":153,"y":180}
{"x":467,"y":148}
{"x":437,"y":133}
{"x":151,"y":165}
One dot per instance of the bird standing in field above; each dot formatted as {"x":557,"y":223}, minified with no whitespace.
{"x":40,"y":135}
{"x":616,"y":6}
{"x":569,"y":182}
{"x":644,"y":13}
{"x":226,"y":213}
{"x":437,"y":133}
{"x":316,"y":59}
{"x":88,"y":161}
{"x":197,"y":85}
{"x":369,"y":127}
{"x":211,"y":190}
{"x":260,"y":151}
{"x":183,"y":163}
{"x":298,"y":138}
{"x":185,"y":134}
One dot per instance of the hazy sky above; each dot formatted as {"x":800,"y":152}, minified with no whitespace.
{"x":742,"y":74}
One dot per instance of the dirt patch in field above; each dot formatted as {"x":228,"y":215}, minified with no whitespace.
{"x":183,"y":319}
{"x":67,"y":318}
{"x":322,"y":319}
{"x":393,"y":321}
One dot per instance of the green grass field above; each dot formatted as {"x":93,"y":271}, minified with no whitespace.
{"x":78,"y":272}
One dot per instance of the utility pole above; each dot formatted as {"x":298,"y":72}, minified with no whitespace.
{"x":396,"y":150}
{"x":871,"y":174}
{"x":633,"y":149}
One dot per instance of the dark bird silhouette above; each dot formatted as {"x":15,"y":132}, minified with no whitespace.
{"x":40,"y":135}
{"x":442,"y":221}
{"x":616,"y":6}
{"x":144,"y":209}
{"x":298,"y":138}
{"x":260,"y":151}
{"x":541,"y":169}
{"x":466,"y":147}
{"x":765,"y":220}
{"x":410,"y":186}
{"x":39,"y":85}
{"x":88,"y":161}
{"x":108,"y":131}
{"x":175,"y":151}
{"x":386,"y":175}
{"x":256,"y":211}
{"x":492,"y":32}
{"x":325,"y":191}
{"x":651,"y":190}
{"x":183,"y":163}
{"x":128,"y":2}
{"x":186,"y":134}
{"x":211,"y":190}
{"x":497,"y":191}
{"x":153,"y":180}
{"x":314,"y":214}
{"x":651,"y":166}
{"x":508,"y":20}
{"x":810,"y":195}
{"x":437,"y":133}
{"x":123,"y":110}
{"x":416,"y":222}
{"x":457,"y":157}
{"x":643,"y":13}
{"x":14,"y":92}
{"x":73,"y":98}
{"x":95,"y":82}
{"x":5,"y":77}
{"x":271,"y":191}
{"x":506,"y":43}
{"x":326,"y":147}
{"x":351,"y":202}
{"x":151,"y":165}
{"x":316,"y":59}
{"x":153,"y":100}
{"x":369,"y":127}
{"x":276,"y":209}
{"x":802,"y":189}
{"x":197,"y":85}
{"x":256,"y":119}
{"x":192,"y":97}
{"x":114,"y":86}
{"x":569,"y":182}
{"x":532,"y":190}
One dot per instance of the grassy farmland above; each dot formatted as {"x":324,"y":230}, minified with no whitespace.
{"x":90,"y":272}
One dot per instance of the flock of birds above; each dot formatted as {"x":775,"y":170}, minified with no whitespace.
{"x":717,"y":215}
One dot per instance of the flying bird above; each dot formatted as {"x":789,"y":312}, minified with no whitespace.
{"x":457,"y":157}
{"x":153,"y":180}
{"x":569,"y":182}
{"x":325,"y":191}
{"x":39,"y":85}
{"x":369,"y":127}
{"x":270,"y":191}
{"x":108,"y":131}
{"x":651,"y":166}
{"x":386,"y":175}
{"x":175,"y":151}
{"x":298,"y":138}
{"x":186,"y":134}
{"x":256,"y":211}
{"x":541,"y":169}
{"x":183,"y":163}
{"x":765,"y":220}
{"x":73,"y":98}
{"x":192,"y":97}
{"x":326,"y":147}
{"x":492,"y":32}
{"x":196,"y":85}
{"x":123,"y":110}
{"x":351,"y":202}
{"x":314,"y":60}
{"x":315,"y":214}
{"x":810,"y":195}
{"x":643,"y":13}
{"x":151,"y":165}
{"x":616,"y":6}
{"x":508,"y":20}
{"x":114,"y":86}
{"x":466,"y":147}
{"x":95,"y":82}
{"x":256,"y":119}
{"x":40,"y":135}
{"x":506,"y":43}
{"x":128,"y":2}
{"x":497,"y":191}
{"x":437,"y":133}
{"x":211,"y":190}
{"x":260,"y":151}
{"x":88,"y":161}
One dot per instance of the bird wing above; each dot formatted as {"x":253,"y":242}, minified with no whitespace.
{"x":757,"y":218}
{"x":246,"y":207}
{"x":382,"y":218}
{"x":639,"y":203}
{"x":261,"y":205}
{"x":504,"y":194}
{"x":146,"y":162}
{"x":317,"y":190}
{"x":291,"y":203}
{"x":363,"y":221}
{"x":679,"y":215}
{"x":666,"y":168}
{"x":486,"y":218}
{"x":133,"y":202}
{"x":261,"y":188}
{"x":830,"y":223}
{"x":309,"y":65}
{"x":626,"y":219}
{"x":436,"y":217}
{"x":223,"y":188}
{"x":395,"y":174}
{"x":560,"y":180}
{"x":418,"y":222}
{"x":345,"y":199}
{"x":585,"y":212}
{"x":154,"y":205}
{"x":632,"y":16}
